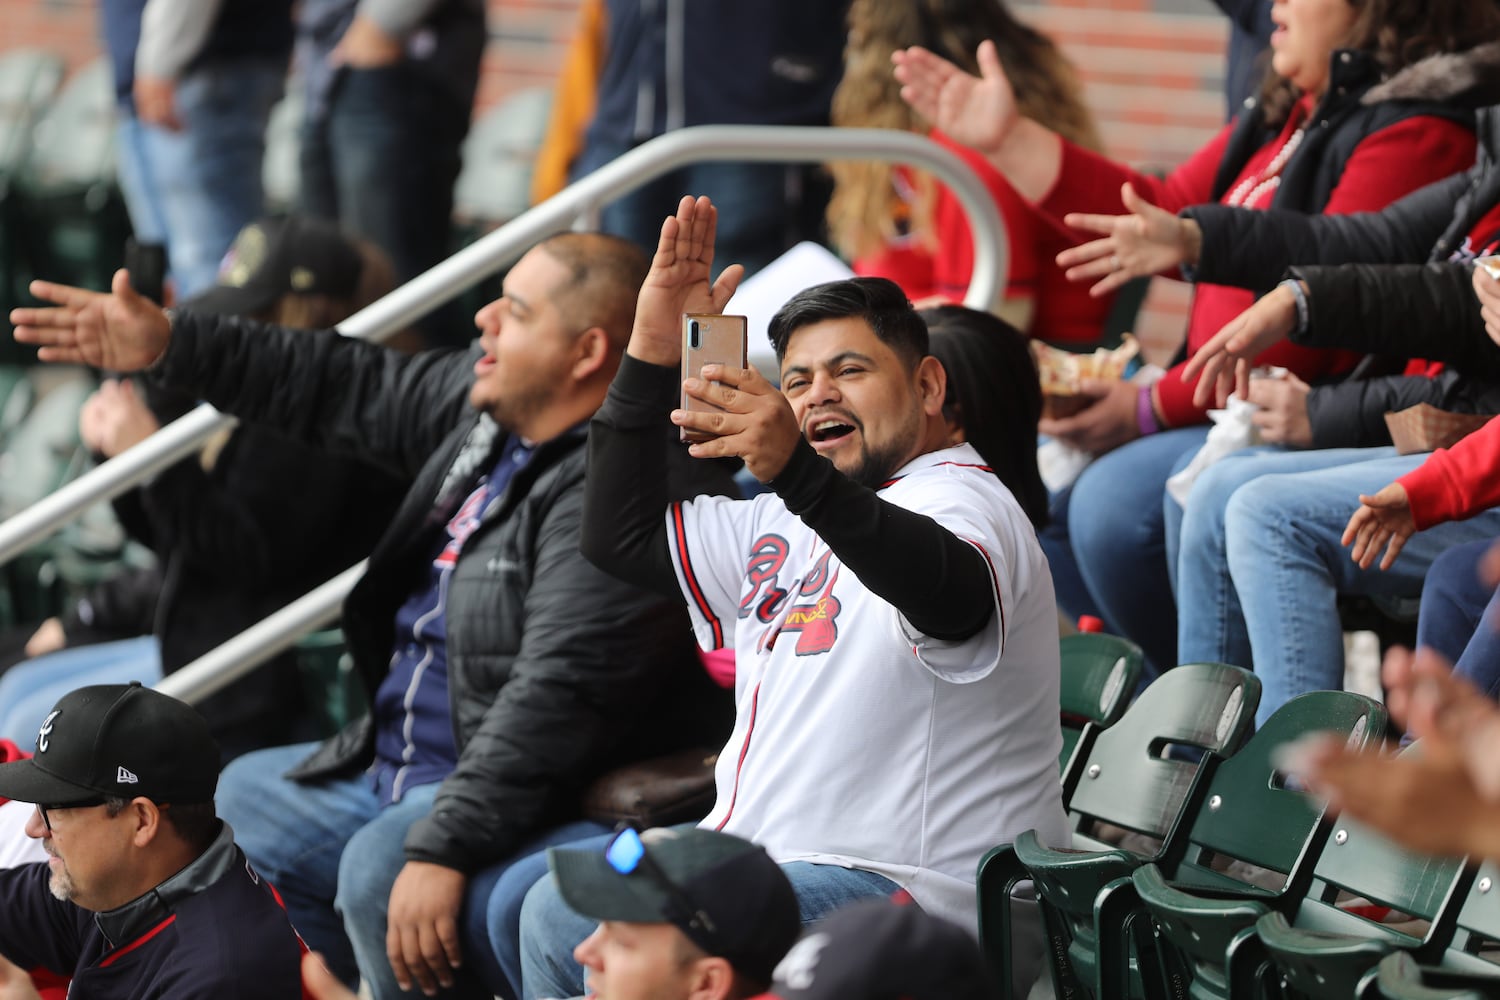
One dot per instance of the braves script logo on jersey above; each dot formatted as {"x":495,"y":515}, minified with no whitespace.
{"x":815,"y":615}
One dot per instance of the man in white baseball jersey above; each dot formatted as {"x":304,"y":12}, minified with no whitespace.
{"x":891,"y":613}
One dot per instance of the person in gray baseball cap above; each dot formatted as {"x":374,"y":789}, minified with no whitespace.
{"x":684,"y":914}
{"x":144,"y":893}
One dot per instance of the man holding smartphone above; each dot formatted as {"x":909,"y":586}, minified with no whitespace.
{"x":505,"y":672}
{"x":886,"y":589}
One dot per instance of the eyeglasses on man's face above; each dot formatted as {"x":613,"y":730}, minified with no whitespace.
{"x":44,"y":810}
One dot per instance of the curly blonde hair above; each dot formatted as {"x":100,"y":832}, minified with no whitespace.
{"x":866,"y":211}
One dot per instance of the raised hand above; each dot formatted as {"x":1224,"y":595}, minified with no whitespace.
{"x":1224,"y":362}
{"x":1382,"y":521}
{"x":120,"y":331}
{"x":977,"y":111}
{"x":679,"y":282}
{"x":1146,"y":242}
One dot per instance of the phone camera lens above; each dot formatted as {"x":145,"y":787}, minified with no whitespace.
{"x":694,"y":337}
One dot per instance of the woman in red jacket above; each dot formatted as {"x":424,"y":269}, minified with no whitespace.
{"x":1308,"y":144}
{"x":901,"y":224}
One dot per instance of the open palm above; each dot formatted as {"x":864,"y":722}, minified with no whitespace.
{"x":977,"y":111}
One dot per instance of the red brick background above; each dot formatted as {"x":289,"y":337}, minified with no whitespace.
{"x":1153,"y":71}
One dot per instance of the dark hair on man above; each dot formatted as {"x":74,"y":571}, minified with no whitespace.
{"x":197,"y":823}
{"x":994,"y":394}
{"x":879,"y":302}
{"x":605,"y":274}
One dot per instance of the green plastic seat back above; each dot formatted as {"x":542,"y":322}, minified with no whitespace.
{"x":1477,"y":927}
{"x":494,"y":185}
{"x":1128,"y":779}
{"x":29,"y":79}
{"x":1099,"y":675}
{"x":1401,"y":977}
{"x":73,"y":145}
{"x":327,"y":673}
{"x":1327,"y":950}
{"x":1247,"y":813}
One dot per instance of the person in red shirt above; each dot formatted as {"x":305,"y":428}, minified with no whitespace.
{"x":1308,"y":144}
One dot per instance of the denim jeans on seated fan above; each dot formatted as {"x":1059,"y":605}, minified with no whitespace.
{"x":333,"y":853}
{"x":1261,"y":564}
{"x":1107,"y":534}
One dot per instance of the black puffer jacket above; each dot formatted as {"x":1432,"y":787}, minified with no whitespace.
{"x":1394,"y":313}
{"x":557,"y":671}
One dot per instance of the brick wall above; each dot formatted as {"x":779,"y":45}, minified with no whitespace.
{"x":1153,"y":70}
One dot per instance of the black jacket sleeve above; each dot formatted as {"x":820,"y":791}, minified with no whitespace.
{"x":1424,"y":311}
{"x":336,"y":393}
{"x":596,"y":655}
{"x":124,"y":605}
{"x":1352,"y":414}
{"x":938,"y":582}
{"x":1249,"y":249}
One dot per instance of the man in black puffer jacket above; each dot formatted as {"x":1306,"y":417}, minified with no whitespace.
{"x":505,"y":671}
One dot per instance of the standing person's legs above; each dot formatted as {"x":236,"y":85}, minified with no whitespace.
{"x":294,"y":834}
{"x":1210,"y":624}
{"x":1117,"y":536}
{"x":210,"y":171}
{"x":393,"y":142}
{"x":142,"y":201}
{"x":1289,"y":566}
{"x":550,"y":930}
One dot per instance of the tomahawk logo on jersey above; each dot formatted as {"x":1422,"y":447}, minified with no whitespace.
{"x":815,"y":614}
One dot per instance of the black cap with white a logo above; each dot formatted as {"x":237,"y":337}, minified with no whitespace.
{"x":121,"y":740}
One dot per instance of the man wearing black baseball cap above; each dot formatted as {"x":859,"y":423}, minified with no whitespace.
{"x":683,"y":913}
{"x":882,"y":949}
{"x":144,"y":893}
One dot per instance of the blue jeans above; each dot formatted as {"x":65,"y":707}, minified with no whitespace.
{"x":1115,"y":538}
{"x":382,"y":163}
{"x":195,"y":189}
{"x":550,"y":930}
{"x":1458,"y":616}
{"x":1281,"y":533}
{"x":334,"y":852}
{"x":1210,"y":625}
{"x":28,"y":691}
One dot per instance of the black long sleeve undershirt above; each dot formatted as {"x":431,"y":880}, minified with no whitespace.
{"x":938,"y":582}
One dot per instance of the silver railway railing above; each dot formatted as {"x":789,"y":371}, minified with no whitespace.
{"x":580,"y":200}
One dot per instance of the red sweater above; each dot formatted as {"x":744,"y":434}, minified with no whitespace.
{"x":1064,"y":312}
{"x":1456,"y":483}
{"x":1386,"y":165}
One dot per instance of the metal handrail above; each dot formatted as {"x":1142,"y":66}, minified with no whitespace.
{"x":779,"y":144}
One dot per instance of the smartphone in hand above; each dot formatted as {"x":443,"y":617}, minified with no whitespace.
{"x":709,"y":340}
{"x":147,"y":264}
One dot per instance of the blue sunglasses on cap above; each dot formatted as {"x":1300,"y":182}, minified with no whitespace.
{"x":627,"y":854}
